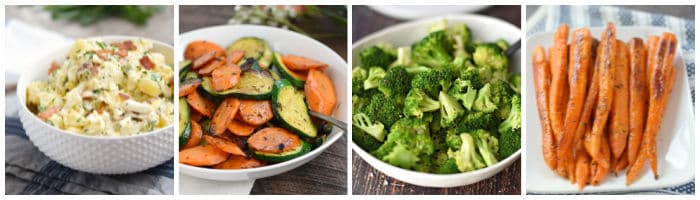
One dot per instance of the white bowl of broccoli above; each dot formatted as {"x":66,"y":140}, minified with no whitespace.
{"x":436,"y":102}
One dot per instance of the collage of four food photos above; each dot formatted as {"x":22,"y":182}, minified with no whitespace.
{"x":294,"y":99}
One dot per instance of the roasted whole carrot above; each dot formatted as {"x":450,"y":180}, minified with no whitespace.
{"x":602,"y":170}
{"x":223,"y":115}
{"x":580,"y":59}
{"x":273,"y":140}
{"x":638,"y":96}
{"x":620,"y":114}
{"x":203,"y":105}
{"x":240,"y":162}
{"x":605,"y":95}
{"x":195,"y":135}
{"x":205,"y":58}
{"x":225,"y":77}
{"x":211,"y":66}
{"x":204,"y":155}
{"x":652,"y":45}
{"x":300,"y":63}
{"x":583,"y":164}
{"x":542,"y":81}
{"x":189,"y":87}
{"x":198,"y":48}
{"x":558,"y":58}
{"x":621,"y":163}
{"x":320,"y":92}
{"x":224,"y":144}
{"x":256,"y":112}
{"x":240,"y":128}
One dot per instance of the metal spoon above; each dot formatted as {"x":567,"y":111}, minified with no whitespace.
{"x":340,"y":124}
{"x":513,"y":48}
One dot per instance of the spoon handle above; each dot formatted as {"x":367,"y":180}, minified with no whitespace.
{"x":337,"y":123}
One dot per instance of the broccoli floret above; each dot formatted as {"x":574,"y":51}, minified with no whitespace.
{"x":509,"y":130}
{"x":453,"y":140}
{"x":364,"y":140}
{"x":395,"y":82}
{"x":374,"y":77}
{"x":509,"y":143}
{"x":367,"y":125}
{"x":358,"y":103}
{"x":513,"y":122}
{"x":489,"y":55}
{"x":383,"y":109}
{"x":416,"y":69}
{"x":514,"y":80}
{"x":478,"y":77}
{"x":432,"y":82}
{"x":417,"y":102}
{"x":503,"y":44}
{"x":439,"y":25}
{"x":484,"y":101}
{"x":433,"y":50}
{"x":478,"y":120}
{"x":463,"y":91}
{"x":403,"y":57}
{"x":443,"y":164}
{"x":408,"y":145}
{"x":450,"y":110}
{"x":388,"y":48}
{"x":462,"y":32}
{"x":359,"y":75}
{"x":467,"y":156}
{"x":487,"y":145}
{"x":376,"y":57}
{"x":494,"y":97}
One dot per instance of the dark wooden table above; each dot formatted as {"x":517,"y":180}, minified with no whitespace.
{"x":327,"y":174}
{"x":367,"y":180}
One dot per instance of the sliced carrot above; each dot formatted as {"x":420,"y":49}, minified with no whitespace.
{"x":300,"y":63}
{"x":202,"y":60}
{"x":195,"y":115}
{"x":189,"y":87}
{"x":198,"y":48}
{"x":638,"y":97}
{"x":256,"y":112}
{"x":620,"y":114}
{"x":605,"y":96}
{"x":205,"y":155}
{"x":224,"y":144}
{"x":273,"y":140}
{"x":240,"y":162}
{"x":226,"y":77}
{"x":320,"y":92}
{"x":213,"y":65}
{"x":46,"y":114}
{"x":54,"y":66}
{"x":223,"y":115}
{"x":240,"y":128}
{"x":203,"y":105}
{"x":195,"y":135}
{"x":233,"y":57}
{"x":542,"y":80}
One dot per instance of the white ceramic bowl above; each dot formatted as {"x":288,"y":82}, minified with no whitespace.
{"x":483,"y":28}
{"x":285,"y":42}
{"x":94,"y":154}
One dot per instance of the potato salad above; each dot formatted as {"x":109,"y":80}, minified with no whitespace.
{"x":106,"y":89}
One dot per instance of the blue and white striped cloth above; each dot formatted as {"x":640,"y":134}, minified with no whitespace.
{"x":548,"y":18}
{"x":28,"y":171}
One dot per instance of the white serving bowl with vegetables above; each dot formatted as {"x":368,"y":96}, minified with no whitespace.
{"x":105,"y":106}
{"x":436,"y":102}
{"x":246,"y":94}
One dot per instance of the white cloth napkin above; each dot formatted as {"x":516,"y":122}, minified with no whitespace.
{"x":193,"y":185}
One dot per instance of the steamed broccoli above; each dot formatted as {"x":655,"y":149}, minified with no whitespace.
{"x":439,"y":25}
{"x":388,"y":48}
{"x":484,"y":101}
{"x":463,"y":91}
{"x":478,"y":77}
{"x":503,"y":44}
{"x":359,"y":75}
{"x":487,"y":145}
{"x":395,"y":82}
{"x":494,"y":97}
{"x":433,"y":50}
{"x":416,"y":69}
{"x":417,"y":102}
{"x":374,"y":128}
{"x":443,"y":164}
{"x":403,"y":57}
{"x":509,"y":130}
{"x":432,"y":82}
{"x":408,"y":145}
{"x":467,"y":156}
{"x":376,"y":57}
{"x":478,"y":120}
{"x":374,"y":77}
{"x":490,"y":55}
{"x":462,"y":32}
{"x":514,"y":80}
{"x":450,"y":110}
{"x":383,"y":109}
{"x":364,"y":140}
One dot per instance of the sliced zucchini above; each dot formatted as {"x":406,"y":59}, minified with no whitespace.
{"x":285,"y":73}
{"x":291,"y":110}
{"x":266,"y":58}
{"x":252,"y":85}
{"x":252,"y":46}
{"x":185,"y":126}
{"x":302,"y":149}
{"x":184,"y":68}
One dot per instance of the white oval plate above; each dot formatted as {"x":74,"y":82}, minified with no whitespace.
{"x":285,"y":42}
{"x":675,"y":139}
{"x":483,"y":28}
